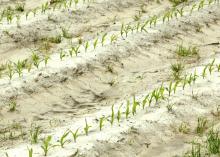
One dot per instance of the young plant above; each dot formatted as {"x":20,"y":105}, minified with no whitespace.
{"x":86,"y":128}
{"x":86,"y":46}
{"x":175,"y":86}
{"x":75,"y":50}
{"x":204,"y":71}
{"x":112,"y":115}
{"x":134,"y":107}
{"x":119,"y":114}
{"x":213,"y":142}
{"x":127,"y":112}
{"x":62,"y":55}
{"x":46,"y":58}
{"x":122,"y":30}
{"x":10,"y":71}
{"x":169,"y":89}
{"x":46,"y":145}
{"x":36,"y":60}
{"x":103,"y":39}
{"x":145,"y":101}
{"x":211,"y":66}
{"x":95,"y":43}
{"x":113,"y":38}
{"x":30,"y":152}
{"x":101,"y":123}
{"x":63,"y":140}
{"x":75,"y":134}
{"x":218,"y":67}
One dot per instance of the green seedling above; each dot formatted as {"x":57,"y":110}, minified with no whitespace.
{"x":112,"y":115}
{"x":145,"y":101}
{"x":30,"y":152}
{"x":218,"y":67}
{"x":86,"y":128}
{"x":169,"y":89}
{"x":63,"y":140}
{"x":101,"y":123}
{"x":127,"y":112}
{"x":103,"y":39}
{"x":211,"y":66}
{"x":75,"y":134}
{"x":36,"y":60}
{"x":193,"y":7}
{"x":201,"y":4}
{"x":134,"y":106}
{"x":175,"y":86}
{"x":10,"y":71}
{"x":185,"y":81}
{"x":204,"y":71}
{"x":184,"y":128}
{"x":46,"y":145}
{"x":122,"y":30}
{"x":119,"y":114}
{"x":46,"y":58}
{"x":86,"y":46}
{"x":113,"y":38}
{"x":95,"y":43}
{"x":62,"y":55}
{"x":144,"y":25}
{"x":76,"y":50}
{"x":76,"y":2}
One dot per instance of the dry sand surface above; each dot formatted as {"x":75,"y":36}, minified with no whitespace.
{"x":61,"y":94}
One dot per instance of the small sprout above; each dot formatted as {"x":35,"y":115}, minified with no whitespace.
{"x":169,"y":89}
{"x":134,"y":107}
{"x":75,"y":134}
{"x":46,"y":58}
{"x":30,"y":152}
{"x":127,"y":112}
{"x":103,"y":39}
{"x":175,"y":86}
{"x":112,"y":115}
{"x":213,"y":142}
{"x":122,"y":29}
{"x":46,"y":145}
{"x":211,"y":68}
{"x":10,"y":71}
{"x":86,"y":46}
{"x":95,"y":43}
{"x":119,"y":114}
{"x":218,"y":67}
{"x":63,"y":139}
{"x":86,"y":128}
{"x":145,"y":101}
{"x":101,"y":123}
{"x":169,"y":107}
{"x":185,"y":81}
{"x":62,"y":55}
{"x":36,"y":60}
{"x":204,"y":72}
{"x":177,"y":70}
{"x":113,"y":38}
{"x":75,"y":50}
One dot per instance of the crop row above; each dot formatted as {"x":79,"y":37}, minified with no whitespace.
{"x":127,"y":110}
{"x":10,"y":14}
{"x":11,"y":68}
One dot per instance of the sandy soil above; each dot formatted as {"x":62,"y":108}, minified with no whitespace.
{"x":61,"y":95}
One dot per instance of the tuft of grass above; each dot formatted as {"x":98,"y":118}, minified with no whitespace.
{"x":34,"y":134}
{"x":201,"y":125}
{"x":213,"y":142}
{"x":184,"y":128}
{"x":177,"y":69}
{"x":186,"y":51}
{"x":12,"y":106}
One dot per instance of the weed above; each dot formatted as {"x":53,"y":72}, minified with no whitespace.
{"x":184,"y":128}
{"x":213,"y":142}
{"x":177,"y":70}
{"x":12,"y":106}
{"x":201,"y":125}
{"x":34,"y":133}
{"x":185,"y":52}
